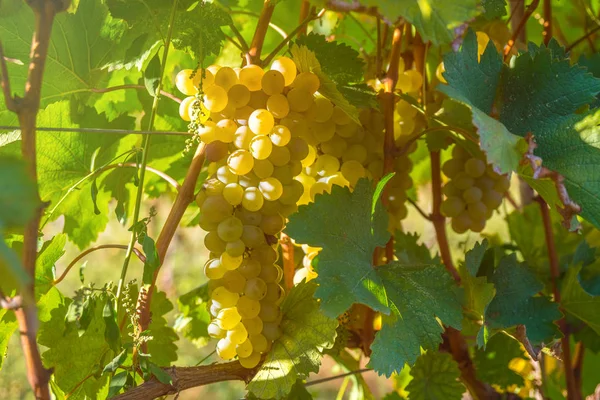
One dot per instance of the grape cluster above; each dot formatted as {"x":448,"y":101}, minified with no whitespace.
{"x":260,"y":135}
{"x":473,"y":192}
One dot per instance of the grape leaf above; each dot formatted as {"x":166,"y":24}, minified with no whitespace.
{"x":418,"y":294}
{"x":493,"y":9}
{"x":307,"y":61}
{"x":589,"y":277}
{"x":75,"y":62}
{"x":571,"y":148}
{"x":474,"y":83}
{"x":299,"y":392}
{"x":340,"y":62}
{"x":73,"y":357}
{"x":435,"y":20}
{"x":162,"y":347}
{"x":52,"y":251}
{"x":306,"y":332}
{"x":199,"y":30}
{"x":18,"y":197}
{"x":577,"y":302}
{"x":64,"y":159}
{"x":8,"y":326}
{"x":408,"y":250}
{"x":347,"y":229}
{"x":541,"y":90}
{"x":194,"y":317}
{"x":516,"y":303}
{"x":492,"y":364}
{"x":435,"y":376}
{"x":478,"y":291}
{"x":360,"y":95}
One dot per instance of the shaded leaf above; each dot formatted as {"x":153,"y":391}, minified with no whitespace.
{"x":435,"y":376}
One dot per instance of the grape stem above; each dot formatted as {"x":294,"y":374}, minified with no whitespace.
{"x":581,"y":39}
{"x":289,"y":266}
{"x":27,"y":109}
{"x":419,"y":209}
{"x":305,"y":10}
{"x":136,"y":251}
{"x":332,"y":378}
{"x":312,"y":16}
{"x":387,"y":100}
{"x":572,"y":389}
{"x":438,"y":220}
{"x":253,"y":55}
{"x":530,"y":9}
{"x":240,"y":38}
{"x":547,"y":33}
{"x":184,"y":197}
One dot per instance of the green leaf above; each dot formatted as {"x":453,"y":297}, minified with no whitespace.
{"x":152,"y":75}
{"x":299,"y":392}
{"x":95,"y":197}
{"x":200,"y":29}
{"x":66,"y":158}
{"x":160,"y":374}
{"x":306,"y":332}
{"x":493,"y":9}
{"x":112,"y":334}
{"x":194,"y":318}
{"x":340,"y":62}
{"x":116,"y":362}
{"x":574,"y":138}
{"x":516,"y":303}
{"x":478,"y":292}
{"x":492,"y":364}
{"x":11,"y":266}
{"x":470,"y":80}
{"x":52,"y":251}
{"x":435,"y":20}
{"x":409,"y":251}
{"x":152,"y":260}
{"x":541,"y":91}
{"x":81,"y":44}
{"x":74,"y":357}
{"x":117,"y":383}
{"x":8,"y":326}
{"x":576,"y":302}
{"x":435,"y":376}
{"x":162,"y":347}
{"x":18,"y":197}
{"x":474,"y":83}
{"x":359,"y":95}
{"x":474,"y":257}
{"x":589,"y":277}
{"x":343,"y":224}
{"x":418,"y":294}
{"x":306,"y":61}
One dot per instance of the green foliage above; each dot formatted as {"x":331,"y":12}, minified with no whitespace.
{"x":8,"y":326}
{"x":494,"y":8}
{"x":307,"y":61}
{"x":433,"y":19}
{"x":517,"y":303}
{"x":340,"y":62}
{"x":18,"y":198}
{"x":491,"y":364}
{"x":349,"y":230}
{"x":474,"y":82}
{"x":435,"y":376}
{"x":306,"y":333}
{"x":194,"y":317}
{"x":418,"y":294}
{"x":578,"y":303}
{"x":478,"y":291}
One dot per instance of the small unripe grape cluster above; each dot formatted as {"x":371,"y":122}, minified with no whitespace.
{"x":259,"y":136}
{"x":473,"y":192}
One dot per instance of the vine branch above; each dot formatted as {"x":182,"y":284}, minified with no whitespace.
{"x":136,"y":251}
{"x":188,"y":377}
{"x":438,"y":220}
{"x":572,"y":390}
{"x":387,"y":99}
{"x":8,"y":97}
{"x":289,"y":37}
{"x":184,"y":197}
{"x":261,"y":31}
{"x":582,"y":39}
{"x":530,"y":9}
{"x":289,"y":266}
